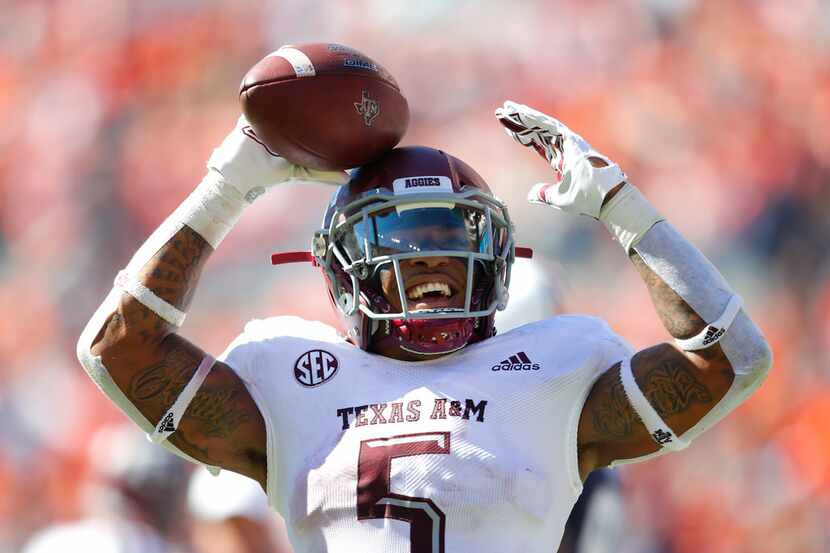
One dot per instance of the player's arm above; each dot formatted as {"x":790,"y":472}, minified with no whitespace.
{"x":666,"y":395}
{"x":171,"y":388}
{"x":151,"y":364}
{"x":681,"y":386}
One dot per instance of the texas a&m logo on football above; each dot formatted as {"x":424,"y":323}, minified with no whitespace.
{"x":368,"y":108}
{"x":315,"y":367}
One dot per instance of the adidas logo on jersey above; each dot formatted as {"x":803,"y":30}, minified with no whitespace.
{"x":517,"y":362}
{"x":713,"y":333}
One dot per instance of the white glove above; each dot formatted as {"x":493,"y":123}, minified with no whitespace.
{"x":580,"y":187}
{"x":251,"y":168}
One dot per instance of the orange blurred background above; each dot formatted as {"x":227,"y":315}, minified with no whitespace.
{"x":718,"y":109}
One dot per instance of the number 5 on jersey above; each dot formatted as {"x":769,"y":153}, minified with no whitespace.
{"x":375,"y":499}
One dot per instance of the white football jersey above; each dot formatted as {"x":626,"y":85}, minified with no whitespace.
{"x":474,"y":451}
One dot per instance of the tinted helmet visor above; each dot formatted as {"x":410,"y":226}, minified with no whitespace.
{"x":416,"y":230}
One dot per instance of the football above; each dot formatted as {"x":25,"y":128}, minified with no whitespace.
{"x":324,"y":106}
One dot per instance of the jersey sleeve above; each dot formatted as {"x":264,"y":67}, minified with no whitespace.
{"x":251,"y":357}
{"x":613,"y":346}
{"x":610,"y":350}
{"x":576,"y":335}
{"x":240,"y":355}
{"x":244,"y":356}
{"x":245,"y":353}
{"x":584,"y":348}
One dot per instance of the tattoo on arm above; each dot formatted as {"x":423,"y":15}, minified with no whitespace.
{"x":668,"y":381}
{"x":172,"y":274}
{"x":671,"y":388}
{"x":173,"y":271}
{"x":194,"y":450}
{"x":216,"y":410}
{"x":677,"y":316}
{"x":612,"y":417}
{"x":163,"y":381}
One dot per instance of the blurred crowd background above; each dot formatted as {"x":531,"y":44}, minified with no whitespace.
{"x":718,"y":109}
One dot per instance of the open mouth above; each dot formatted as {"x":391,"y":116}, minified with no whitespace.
{"x":432,"y":293}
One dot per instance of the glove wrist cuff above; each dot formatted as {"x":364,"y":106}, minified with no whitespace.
{"x":628,"y":216}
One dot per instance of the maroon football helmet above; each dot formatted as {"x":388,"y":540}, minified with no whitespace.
{"x":416,"y":207}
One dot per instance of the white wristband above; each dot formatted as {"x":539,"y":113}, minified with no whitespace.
{"x":170,"y":421}
{"x":212,"y":209}
{"x":714,"y":331}
{"x":127,"y":283}
{"x":628,"y":216}
{"x":658,"y":429}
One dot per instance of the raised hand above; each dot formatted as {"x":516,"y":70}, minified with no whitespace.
{"x":251,"y":168}
{"x":583,"y":175}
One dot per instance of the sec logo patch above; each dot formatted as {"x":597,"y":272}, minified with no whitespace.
{"x":315,"y":367}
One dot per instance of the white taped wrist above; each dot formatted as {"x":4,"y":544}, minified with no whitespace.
{"x":129,"y":284}
{"x":628,"y":216}
{"x":715,"y":330}
{"x":212,"y":209}
{"x":657,"y":428}
{"x":170,"y":420}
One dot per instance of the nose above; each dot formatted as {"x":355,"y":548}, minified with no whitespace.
{"x":429,"y":262}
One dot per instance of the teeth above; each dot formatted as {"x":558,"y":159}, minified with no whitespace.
{"x":417,"y":292}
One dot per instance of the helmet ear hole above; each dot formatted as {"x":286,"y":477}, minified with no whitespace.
{"x":361,"y":271}
{"x":503,"y":296}
{"x":346,"y":303}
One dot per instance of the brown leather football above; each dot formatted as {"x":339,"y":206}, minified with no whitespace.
{"x":324,"y":106}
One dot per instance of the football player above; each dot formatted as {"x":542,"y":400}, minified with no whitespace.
{"x":417,"y":428}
